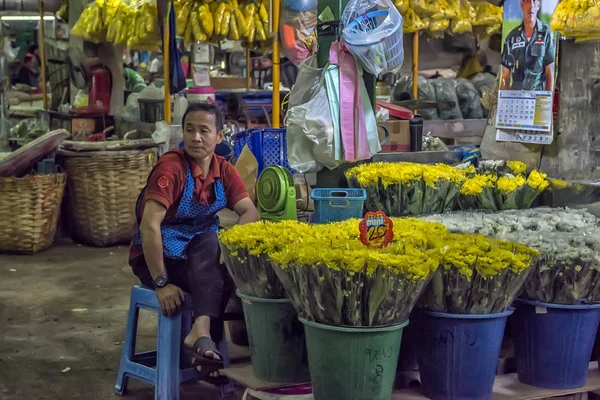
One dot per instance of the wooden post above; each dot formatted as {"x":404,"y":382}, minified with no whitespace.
{"x":166,"y":63}
{"x":42,"y":47}
{"x":276,"y":104}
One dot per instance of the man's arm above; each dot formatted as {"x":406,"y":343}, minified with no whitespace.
{"x":550,"y":77}
{"x":505,"y":82}
{"x":170,"y":297}
{"x":246,"y":210}
{"x":154,"y":214}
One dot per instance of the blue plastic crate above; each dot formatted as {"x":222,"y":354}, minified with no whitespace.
{"x":334,"y":205}
{"x":267,"y":144}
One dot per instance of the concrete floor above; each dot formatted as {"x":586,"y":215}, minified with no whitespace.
{"x":66,"y":308}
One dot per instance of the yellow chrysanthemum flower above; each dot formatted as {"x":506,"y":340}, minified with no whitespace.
{"x":517,"y":167}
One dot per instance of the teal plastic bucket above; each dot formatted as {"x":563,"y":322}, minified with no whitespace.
{"x":349,"y":363}
{"x":276,"y":339}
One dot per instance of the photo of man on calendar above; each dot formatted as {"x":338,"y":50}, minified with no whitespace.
{"x":529,"y":48}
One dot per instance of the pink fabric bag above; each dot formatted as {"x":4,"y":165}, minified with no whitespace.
{"x":352,"y":120}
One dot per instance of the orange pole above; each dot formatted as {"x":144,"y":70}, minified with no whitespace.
{"x":276,"y":105}
{"x":166,"y":62}
{"x":415,"y":65}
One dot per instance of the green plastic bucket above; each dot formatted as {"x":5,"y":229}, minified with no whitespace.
{"x":352,"y":363}
{"x":276,"y":340}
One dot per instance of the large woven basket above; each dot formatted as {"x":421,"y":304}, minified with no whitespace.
{"x":102,"y":191}
{"x":29,"y":209}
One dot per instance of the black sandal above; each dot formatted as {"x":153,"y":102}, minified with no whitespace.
{"x":198,"y":351}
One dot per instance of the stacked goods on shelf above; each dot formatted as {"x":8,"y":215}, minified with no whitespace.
{"x":558,"y":313}
{"x":401,"y":189}
{"x":352,"y":296}
{"x":453,"y":16}
{"x":210,"y":21}
{"x":463,"y":97}
{"x":577,"y":18}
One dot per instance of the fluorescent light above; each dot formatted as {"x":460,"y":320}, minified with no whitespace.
{"x":26,"y":18}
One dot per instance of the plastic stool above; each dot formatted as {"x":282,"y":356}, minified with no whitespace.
{"x":161,"y":368}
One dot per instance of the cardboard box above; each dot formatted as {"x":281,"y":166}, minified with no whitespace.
{"x":399,"y":136}
{"x":228,"y":83}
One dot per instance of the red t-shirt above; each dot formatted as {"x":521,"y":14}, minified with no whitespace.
{"x":167,"y":180}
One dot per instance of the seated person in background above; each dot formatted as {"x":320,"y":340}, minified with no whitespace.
{"x":26,"y":74}
{"x":176,"y":247}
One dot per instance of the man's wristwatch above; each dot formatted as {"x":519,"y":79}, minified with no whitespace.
{"x":161,"y":281}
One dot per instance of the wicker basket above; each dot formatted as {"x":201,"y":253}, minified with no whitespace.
{"x":29,"y":209}
{"x":102,"y":192}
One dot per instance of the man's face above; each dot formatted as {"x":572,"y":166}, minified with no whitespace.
{"x":530,"y":9}
{"x":200,"y":136}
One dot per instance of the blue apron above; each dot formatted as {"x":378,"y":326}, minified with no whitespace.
{"x":192,"y":218}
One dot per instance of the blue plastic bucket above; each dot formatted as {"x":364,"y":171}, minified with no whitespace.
{"x":458,"y":354}
{"x":554,"y":343}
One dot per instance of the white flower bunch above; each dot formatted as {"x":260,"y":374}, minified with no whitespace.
{"x":567,"y":239}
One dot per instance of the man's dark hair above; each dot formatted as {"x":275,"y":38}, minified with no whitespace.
{"x":27,"y":59}
{"x":207,"y":108}
{"x":32,"y":48}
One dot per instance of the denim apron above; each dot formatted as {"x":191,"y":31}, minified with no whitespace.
{"x":192,"y":218}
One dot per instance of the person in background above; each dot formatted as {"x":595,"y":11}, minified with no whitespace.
{"x":26,"y":74}
{"x":133,"y":81}
{"x":33,"y":51}
{"x":175,"y":248}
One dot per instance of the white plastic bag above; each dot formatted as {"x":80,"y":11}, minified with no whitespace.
{"x":162,"y":136}
{"x":308,"y":120}
{"x":373,"y":33}
{"x":151,"y":92}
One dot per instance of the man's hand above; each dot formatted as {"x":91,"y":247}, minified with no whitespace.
{"x":171,"y":299}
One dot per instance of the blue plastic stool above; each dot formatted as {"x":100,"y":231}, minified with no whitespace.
{"x":161,"y":368}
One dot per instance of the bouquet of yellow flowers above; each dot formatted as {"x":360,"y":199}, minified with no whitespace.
{"x":332,"y":278}
{"x":478,"y":275}
{"x":245,"y":249}
{"x":401,"y":189}
{"x":500,"y":185}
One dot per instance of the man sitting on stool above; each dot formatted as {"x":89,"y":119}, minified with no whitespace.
{"x":176,"y":247}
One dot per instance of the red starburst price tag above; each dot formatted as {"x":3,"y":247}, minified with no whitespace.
{"x":376,"y":229}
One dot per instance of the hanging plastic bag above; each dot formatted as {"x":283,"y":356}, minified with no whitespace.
{"x":402,"y":6}
{"x":332,"y":84}
{"x":308,"y":120}
{"x":370,"y":120}
{"x":373,"y":33}
{"x":464,"y":16}
{"x":90,"y":25}
{"x":443,"y":11}
{"x":298,"y":20}
{"x":424,"y":8}
{"x":439,"y":25}
{"x":577,"y":18}
{"x":412,"y":22}
{"x":487,"y":14}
